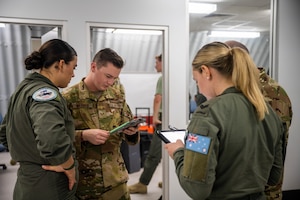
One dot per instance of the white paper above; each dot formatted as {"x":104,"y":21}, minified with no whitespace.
{"x":174,"y":135}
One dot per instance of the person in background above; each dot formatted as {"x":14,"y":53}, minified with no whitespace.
{"x":231,"y":133}
{"x":277,"y":97}
{"x":98,"y":105}
{"x":192,"y":104}
{"x":2,"y":147}
{"x":154,"y":155}
{"x":38,"y":127}
{"x":199,"y":98}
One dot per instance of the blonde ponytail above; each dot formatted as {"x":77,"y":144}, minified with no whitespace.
{"x":245,"y":77}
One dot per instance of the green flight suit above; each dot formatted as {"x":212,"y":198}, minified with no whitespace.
{"x":102,"y":171}
{"x":154,"y":155}
{"x":39,"y":130}
{"x":228,"y":153}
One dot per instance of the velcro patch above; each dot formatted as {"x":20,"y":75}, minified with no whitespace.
{"x":44,"y":94}
{"x":197,"y":143}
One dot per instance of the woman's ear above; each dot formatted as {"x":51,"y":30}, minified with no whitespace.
{"x":61,"y":64}
{"x":206,"y":71}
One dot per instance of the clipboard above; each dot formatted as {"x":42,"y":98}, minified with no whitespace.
{"x":128,"y":124}
{"x":170,"y":136}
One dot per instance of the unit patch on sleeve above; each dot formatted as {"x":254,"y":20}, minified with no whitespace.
{"x":44,"y":94}
{"x":197,"y":143}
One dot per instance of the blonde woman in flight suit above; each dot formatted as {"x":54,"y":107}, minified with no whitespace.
{"x":234,"y":141}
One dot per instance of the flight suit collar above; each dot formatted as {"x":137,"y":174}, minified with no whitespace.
{"x":37,"y":76}
{"x":230,"y":90}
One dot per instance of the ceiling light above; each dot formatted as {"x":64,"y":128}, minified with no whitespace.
{"x":2,"y":25}
{"x":234,"y":34}
{"x":202,"y":8}
{"x":134,"y":31}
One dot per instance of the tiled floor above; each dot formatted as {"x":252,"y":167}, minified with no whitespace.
{"x":8,"y":178}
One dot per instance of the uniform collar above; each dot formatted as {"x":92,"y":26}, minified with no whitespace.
{"x":230,"y":90}
{"x":38,"y":77}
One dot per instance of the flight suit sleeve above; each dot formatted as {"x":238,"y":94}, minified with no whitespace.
{"x":48,"y":123}
{"x":196,"y":169}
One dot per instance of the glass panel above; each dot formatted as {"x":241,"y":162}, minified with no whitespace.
{"x":234,"y":15}
{"x":137,"y":47}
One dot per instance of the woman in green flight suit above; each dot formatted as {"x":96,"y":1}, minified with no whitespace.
{"x":233,"y":146}
{"x":38,"y":128}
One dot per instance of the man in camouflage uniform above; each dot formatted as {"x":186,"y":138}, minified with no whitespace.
{"x":277,"y":97}
{"x":98,"y":105}
{"x":280,"y":102}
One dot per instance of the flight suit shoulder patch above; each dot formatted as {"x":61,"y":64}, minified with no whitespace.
{"x":198,"y":143}
{"x":44,"y":94}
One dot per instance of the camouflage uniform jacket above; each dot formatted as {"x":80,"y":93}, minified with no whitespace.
{"x":277,"y":97}
{"x":101,"y":167}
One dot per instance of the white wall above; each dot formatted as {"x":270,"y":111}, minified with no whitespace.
{"x":75,"y":14}
{"x":140,"y":90}
{"x":288,"y":48}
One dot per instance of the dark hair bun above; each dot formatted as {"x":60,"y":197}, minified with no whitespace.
{"x":34,"y":61}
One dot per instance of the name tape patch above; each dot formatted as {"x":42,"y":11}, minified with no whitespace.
{"x":44,"y":94}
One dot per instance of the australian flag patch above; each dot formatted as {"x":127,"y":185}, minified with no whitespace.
{"x":197,"y":143}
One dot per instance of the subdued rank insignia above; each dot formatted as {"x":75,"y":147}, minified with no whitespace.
{"x":44,"y":94}
{"x":197,"y":143}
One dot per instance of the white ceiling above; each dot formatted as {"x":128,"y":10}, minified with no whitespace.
{"x":238,"y":15}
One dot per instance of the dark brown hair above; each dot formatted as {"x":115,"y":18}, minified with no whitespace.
{"x":50,"y":52}
{"x":106,"y":55}
{"x":159,"y":57}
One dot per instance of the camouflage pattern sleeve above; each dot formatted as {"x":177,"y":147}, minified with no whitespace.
{"x":279,"y":100}
{"x":127,"y":116}
{"x":277,"y":97}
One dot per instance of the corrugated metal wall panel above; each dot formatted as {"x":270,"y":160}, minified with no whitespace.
{"x":258,"y":48}
{"x":14,"y":47}
{"x":137,"y":50}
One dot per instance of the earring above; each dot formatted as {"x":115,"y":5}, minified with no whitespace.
{"x":207,"y":77}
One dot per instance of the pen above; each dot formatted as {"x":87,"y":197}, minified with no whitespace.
{"x":172,"y":128}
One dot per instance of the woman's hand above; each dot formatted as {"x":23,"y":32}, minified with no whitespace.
{"x":71,"y":173}
{"x":172,"y":147}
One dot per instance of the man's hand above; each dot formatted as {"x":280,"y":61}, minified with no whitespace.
{"x":95,"y":136}
{"x":131,"y":130}
{"x":156,"y":121}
